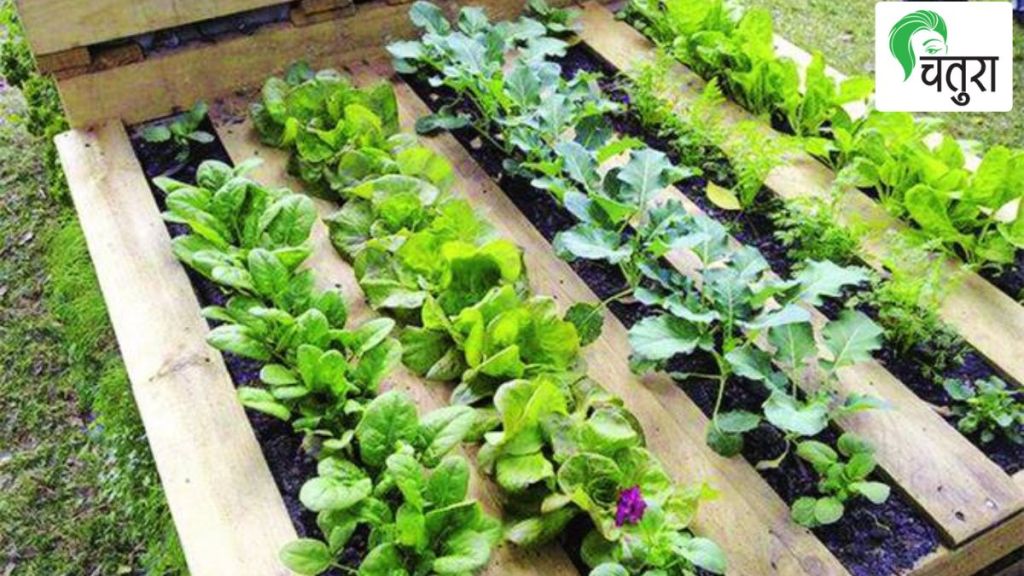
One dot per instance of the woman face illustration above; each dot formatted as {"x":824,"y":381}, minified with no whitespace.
{"x":928,"y":43}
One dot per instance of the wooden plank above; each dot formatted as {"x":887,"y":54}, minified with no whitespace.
{"x":242,"y":142}
{"x":988,"y":319}
{"x":162,"y":83}
{"x":748,"y":520}
{"x":56,"y":25}
{"x":75,"y":58}
{"x":977,"y":554}
{"x":229,"y":514}
{"x":300,"y":17}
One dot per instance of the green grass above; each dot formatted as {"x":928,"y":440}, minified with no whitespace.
{"x":79,"y":494}
{"x":845,"y":33}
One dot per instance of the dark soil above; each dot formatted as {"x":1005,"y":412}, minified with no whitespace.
{"x":869,"y":540}
{"x":755,"y":227}
{"x":290,"y":464}
{"x":1011,"y":279}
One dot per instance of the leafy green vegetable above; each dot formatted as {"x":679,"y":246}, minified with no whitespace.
{"x":180,"y":133}
{"x":840,"y":480}
{"x":989,"y":408}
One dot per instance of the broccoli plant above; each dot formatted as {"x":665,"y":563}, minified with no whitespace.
{"x":989,"y":408}
{"x":840,"y":480}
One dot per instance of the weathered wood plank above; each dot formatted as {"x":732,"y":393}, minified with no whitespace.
{"x":56,"y":25}
{"x":162,"y":83}
{"x":748,"y":520}
{"x":229,"y":514}
{"x":977,"y":554}
{"x":242,"y":142}
{"x":988,"y":319}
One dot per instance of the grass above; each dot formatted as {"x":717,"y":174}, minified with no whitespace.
{"x":845,"y":33}
{"x":79,"y":493}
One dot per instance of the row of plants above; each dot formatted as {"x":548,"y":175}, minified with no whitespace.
{"x":390,"y":493}
{"x":557,"y":444}
{"x":556,"y":132}
{"x":974,"y":215}
{"x":905,"y":301}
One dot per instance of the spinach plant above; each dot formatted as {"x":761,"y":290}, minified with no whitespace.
{"x":404,"y":484}
{"x":181,"y":132}
{"x":840,"y":480}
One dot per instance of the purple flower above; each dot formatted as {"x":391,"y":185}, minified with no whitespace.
{"x":631,"y":507}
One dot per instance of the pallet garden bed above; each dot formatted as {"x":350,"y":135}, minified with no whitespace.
{"x":377,"y":351}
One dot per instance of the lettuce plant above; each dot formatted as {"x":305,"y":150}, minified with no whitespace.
{"x":719,"y":41}
{"x":181,"y":132}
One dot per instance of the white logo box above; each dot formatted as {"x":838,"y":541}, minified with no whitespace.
{"x":977,"y":31}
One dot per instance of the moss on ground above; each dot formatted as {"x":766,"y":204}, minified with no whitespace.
{"x":845,"y":33}
{"x":79,"y":493}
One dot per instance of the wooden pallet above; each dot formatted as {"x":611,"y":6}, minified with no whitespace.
{"x":227,"y":509}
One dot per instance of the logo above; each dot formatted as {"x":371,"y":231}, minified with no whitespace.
{"x":944,"y":56}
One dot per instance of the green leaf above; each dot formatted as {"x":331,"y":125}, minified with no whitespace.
{"x":820,"y":455}
{"x":722,"y":197}
{"x":384,"y":560}
{"x":789,"y":414}
{"x":825,"y":278}
{"x":793,"y":343}
{"x":737,"y":421}
{"x":540,"y":529}
{"x":429,"y":17}
{"x":662,"y":337}
{"x":306,"y":556}
{"x":516,"y":473}
{"x":723,"y":443}
{"x":591,"y":242}
{"x":588,"y":320}
{"x":329,"y":493}
{"x":263,"y":401}
{"x":647,"y":172}
{"x":851,"y":339}
{"x":876,"y":492}
{"x":238,"y":340}
{"x":704,"y":553}
{"x":156,"y":134}
{"x":443,"y":430}
{"x":828,"y":510}
{"x":802,"y":511}
{"x":448,"y":483}
{"x":389,"y":419}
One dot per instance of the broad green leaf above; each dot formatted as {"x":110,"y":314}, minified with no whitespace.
{"x":793,"y":343}
{"x":588,"y":320}
{"x":591,"y":242}
{"x":306,"y":556}
{"x":703,"y":553}
{"x":791,"y":415}
{"x":516,"y":473}
{"x":876,"y":492}
{"x":662,"y":337}
{"x":818,"y":279}
{"x":263,"y":401}
{"x":389,"y":419}
{"x":851,"y":339}
{"x":722,"y":197}
{"x":828,"y":510}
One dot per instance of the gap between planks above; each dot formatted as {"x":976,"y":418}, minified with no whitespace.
{"x":242,"y":142}
{"x":989,"y":320}
{"x":229,"y":514}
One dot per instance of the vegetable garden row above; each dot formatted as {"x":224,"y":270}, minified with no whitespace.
{"x":569,"y":293}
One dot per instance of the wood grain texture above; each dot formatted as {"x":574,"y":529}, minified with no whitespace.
{"x":988,"y":319}
{"x":55,"y":25}
{"x":163,"y":83}
{"x":748,"y":520}
{"x":242,"y":142}
{"x":977,"y":554}
{"x":229,"y":514}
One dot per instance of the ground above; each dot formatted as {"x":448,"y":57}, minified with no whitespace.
{"x":845,"y":31}
{"x":79,"y":494}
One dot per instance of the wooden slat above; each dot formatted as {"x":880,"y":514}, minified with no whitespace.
{"x":748,"y":520}
{"x":162,"y":83}
{"x":242,"y":142}
{"x":73,"y":59}
{"x":989,"y":320}
{"x":229,"y":514}
{"x":56,"y":25}
{"x":977,"y":554}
